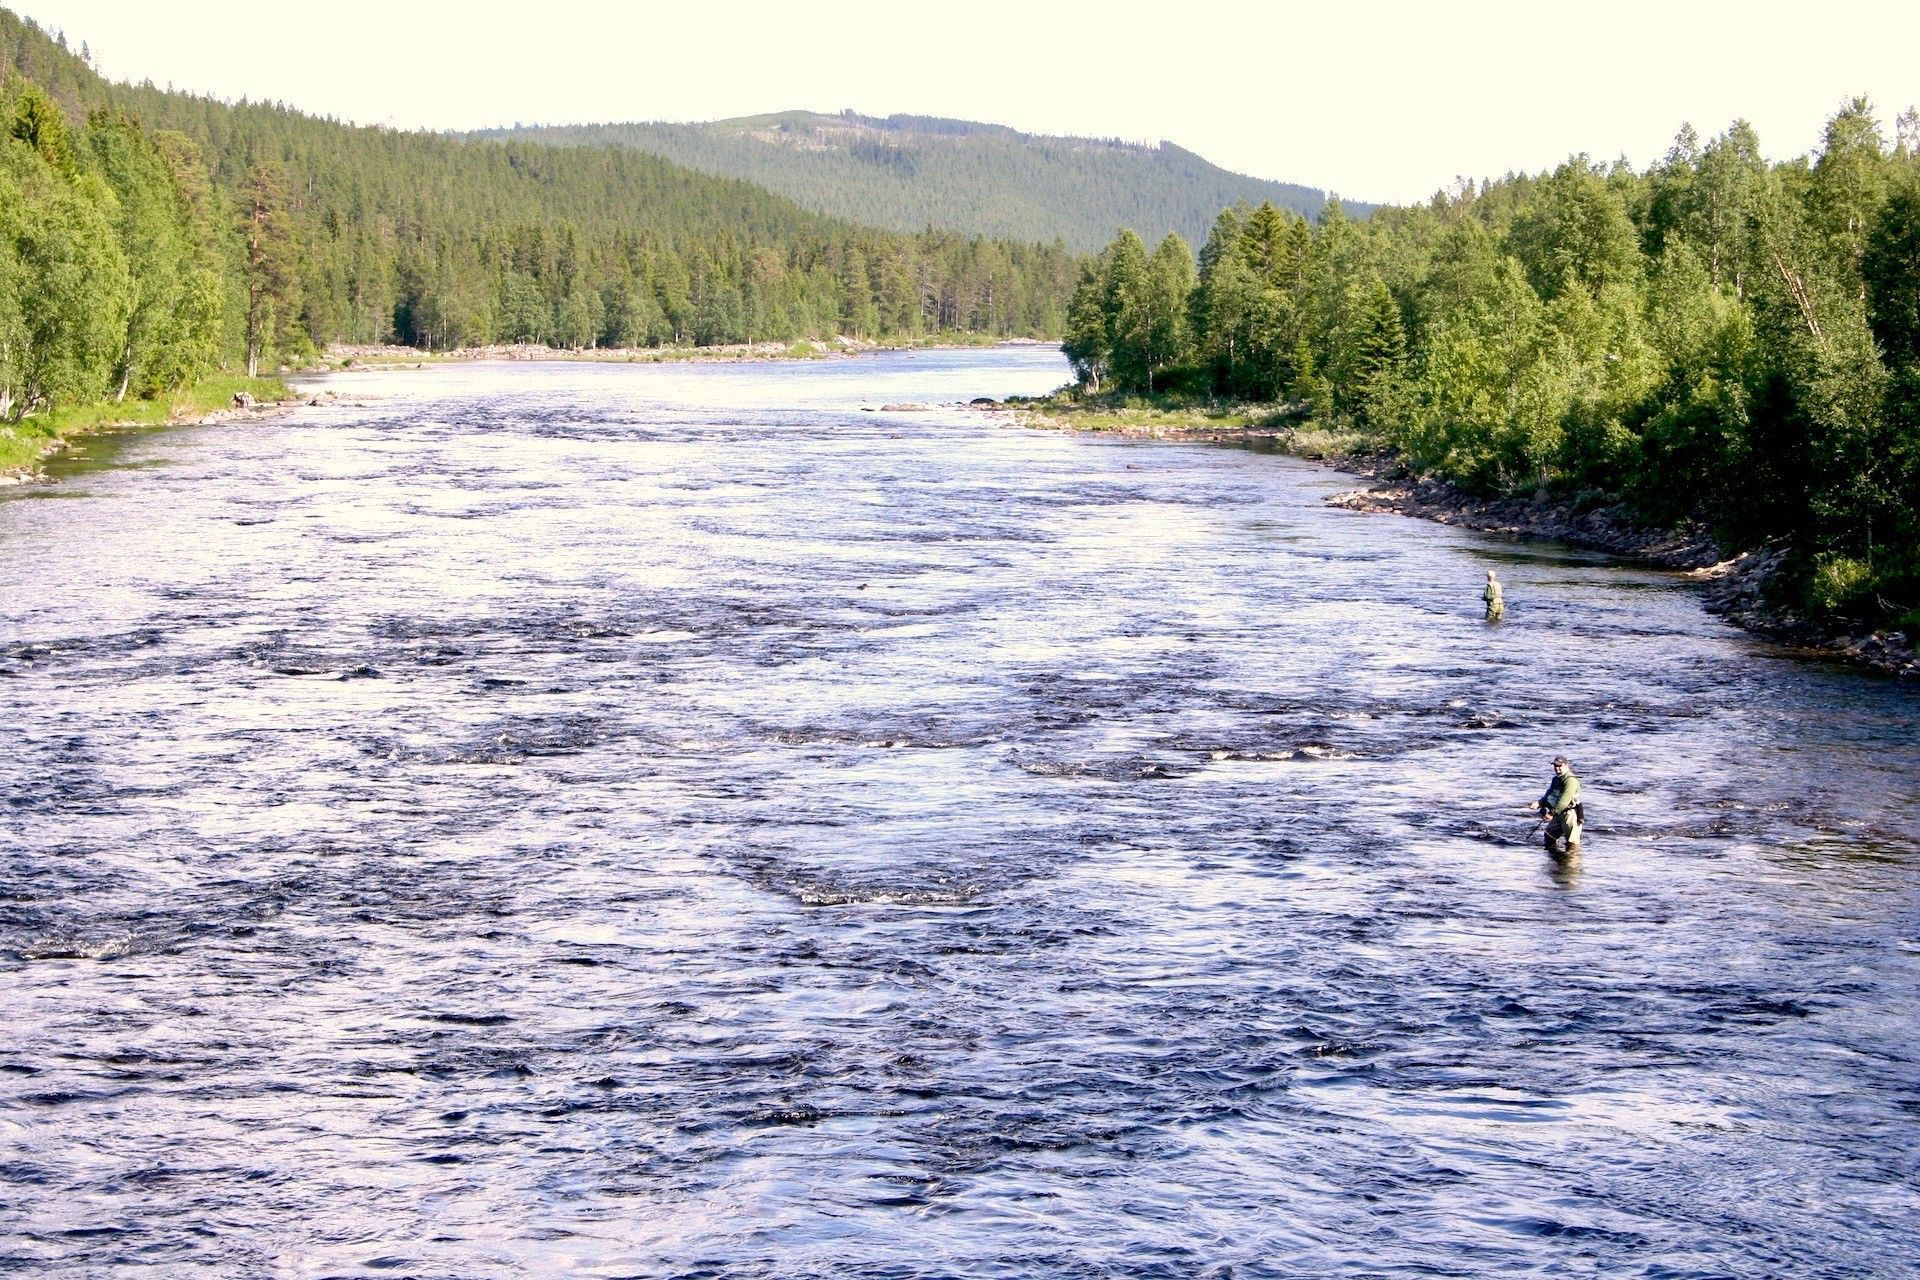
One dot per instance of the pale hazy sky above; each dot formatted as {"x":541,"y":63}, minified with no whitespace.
{"x":1378,"y":101}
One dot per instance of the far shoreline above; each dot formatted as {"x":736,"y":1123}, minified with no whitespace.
{"x":190,"y":407}
{"x":344,"y":357}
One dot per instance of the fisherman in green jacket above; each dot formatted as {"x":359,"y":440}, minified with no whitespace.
{"x":1561,"y":809}
{"x":1496,"y":607}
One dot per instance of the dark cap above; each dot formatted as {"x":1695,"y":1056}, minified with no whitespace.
{"x":1563,"y":760}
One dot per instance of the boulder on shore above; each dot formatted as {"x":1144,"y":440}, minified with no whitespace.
{"x":242,"y":400}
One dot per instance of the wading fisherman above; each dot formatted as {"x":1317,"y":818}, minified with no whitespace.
{"x":1560,"y":808}
{"x":1496,"y":607}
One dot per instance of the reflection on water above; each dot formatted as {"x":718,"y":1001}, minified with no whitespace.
{"x":684,"y":821}
{"x":1565,"y":867}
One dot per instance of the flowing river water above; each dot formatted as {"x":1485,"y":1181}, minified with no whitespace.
{"x":690,"y":821}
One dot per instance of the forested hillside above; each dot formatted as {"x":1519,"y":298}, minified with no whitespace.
{"x":139,"y":221}
{"x":1717,"y":339}
{"x":911,"y":172}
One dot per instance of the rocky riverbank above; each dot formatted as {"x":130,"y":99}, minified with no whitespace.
{"x":1734,"y":586}
{"x":386,"y":355}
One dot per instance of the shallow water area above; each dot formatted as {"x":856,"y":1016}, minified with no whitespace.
{"x":684,"y":820}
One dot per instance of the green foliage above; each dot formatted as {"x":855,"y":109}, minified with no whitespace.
{"x":174,"y":298}
{"x":907,"y":173}
{"x":69,"y":277}
{"x":1130,"y":317}
{"x":35,"y":122}
{"x":1838,"y":584}
{"x":170,"y":235}
{"x":1371,"y":350}
{"x":1716,"y":341}
{"x":1126,"y":305}
{"x":1495,"y":389}
{"x":1890,"y":269}
{"x":1168,"y":340}
{"x":1088,"y":346}
{"x":1850,"y":179}
{"x":270,"y":266}
{"x":21,"y":443}
{"x":1697,"y":450}
{"x":1574,"y":232}
{"x":111,"y":279}
{"x":316,"y":232}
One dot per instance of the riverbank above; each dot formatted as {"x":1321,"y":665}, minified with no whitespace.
{"x":1736,"y":585}
{"x":24,"y":445}
{"x":388,"y":356}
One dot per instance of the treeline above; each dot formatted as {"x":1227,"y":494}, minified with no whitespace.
{"x":112,"y":274}
{"x":1718,"y":339}
{"x":307,"y":232}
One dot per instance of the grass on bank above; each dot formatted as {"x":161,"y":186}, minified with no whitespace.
{"x":23,"y":442}
{"x":1176,"y":414}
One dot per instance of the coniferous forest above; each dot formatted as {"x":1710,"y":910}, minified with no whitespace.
{"x":909,"y":172}
{"x":146,"y":236}
{"x":1718,"y":341}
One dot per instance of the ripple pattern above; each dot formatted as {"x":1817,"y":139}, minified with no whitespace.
{"x":683,"y":821}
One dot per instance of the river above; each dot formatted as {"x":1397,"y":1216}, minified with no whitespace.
{"x":683,"y":820}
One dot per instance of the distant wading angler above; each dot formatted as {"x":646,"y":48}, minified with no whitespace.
{"x":1496,"y":607}
{"x":1561,"y":810}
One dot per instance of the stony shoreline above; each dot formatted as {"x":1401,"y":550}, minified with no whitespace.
{"x":1733,"y":586}
{"x":379,"y":356}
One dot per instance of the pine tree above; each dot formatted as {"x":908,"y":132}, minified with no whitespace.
{"x":1266,"y":242}
{"x":270,"y":270}
{"x":1379,"y":346}
{"x":1223,"y":304}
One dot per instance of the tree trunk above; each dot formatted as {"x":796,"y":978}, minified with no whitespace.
{"x":253,"y":331}
{"x":1797,"y":289}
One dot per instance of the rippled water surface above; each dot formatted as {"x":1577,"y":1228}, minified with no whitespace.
{"x":646,"y":821}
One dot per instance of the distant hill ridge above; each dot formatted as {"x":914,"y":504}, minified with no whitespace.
{"x":908,"y":172}
{"x":308,"y":231}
